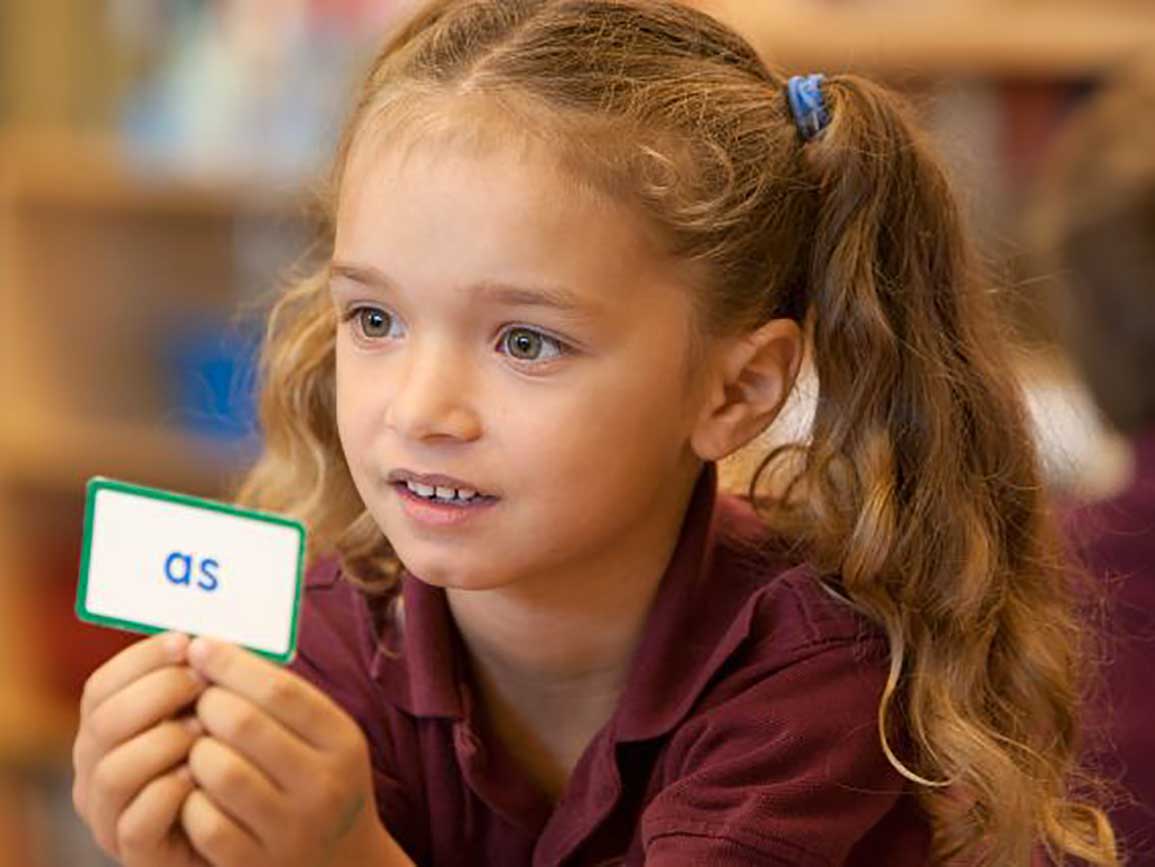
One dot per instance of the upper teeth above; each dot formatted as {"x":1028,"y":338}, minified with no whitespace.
{"x":440,"y":493}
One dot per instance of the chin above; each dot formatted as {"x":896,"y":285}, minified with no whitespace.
{"x":445,"y":572}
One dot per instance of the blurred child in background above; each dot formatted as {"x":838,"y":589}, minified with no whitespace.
{"x":1098,"y":220}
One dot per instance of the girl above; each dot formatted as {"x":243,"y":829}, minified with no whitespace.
{"x":578,"y":248}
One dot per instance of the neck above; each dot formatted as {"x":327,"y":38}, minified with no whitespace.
{"x":572,"y":632}
{"x":551,"y":655}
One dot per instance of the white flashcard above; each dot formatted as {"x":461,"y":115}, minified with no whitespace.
{"x":154,"y":561}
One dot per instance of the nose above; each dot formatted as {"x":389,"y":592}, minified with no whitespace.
{"x":432,"y":398}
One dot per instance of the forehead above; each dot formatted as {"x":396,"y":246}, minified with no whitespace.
{"x":454,"y":208}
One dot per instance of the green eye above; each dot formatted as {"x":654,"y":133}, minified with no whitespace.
{"x":523,"y":344}
{"x":529,"y":345}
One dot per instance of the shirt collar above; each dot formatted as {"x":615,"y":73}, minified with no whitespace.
{"x":421,"y":672}
{"x":694,"y":624}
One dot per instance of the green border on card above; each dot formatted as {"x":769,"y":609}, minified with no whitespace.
{"x":99,"y":483}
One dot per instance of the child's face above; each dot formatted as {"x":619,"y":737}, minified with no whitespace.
{"x":573,"y":421}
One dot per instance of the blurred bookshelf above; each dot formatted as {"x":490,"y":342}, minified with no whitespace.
{"x":88,"y":171}
{"x":124,"y":223}
{"x":118,"y":291}
{"x":964,"y":38}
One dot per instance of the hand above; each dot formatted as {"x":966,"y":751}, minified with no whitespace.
{"x":283,"y":775}
{"x":129,"y":777}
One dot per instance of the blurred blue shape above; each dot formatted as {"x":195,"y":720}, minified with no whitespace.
{"x":211,"y":372}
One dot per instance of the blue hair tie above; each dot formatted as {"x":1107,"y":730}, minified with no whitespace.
{"x":808,"y":105}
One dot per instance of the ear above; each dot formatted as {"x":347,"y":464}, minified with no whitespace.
{"x":751,"y":379}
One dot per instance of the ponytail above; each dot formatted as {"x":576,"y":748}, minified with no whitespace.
{"x":921,"y":491}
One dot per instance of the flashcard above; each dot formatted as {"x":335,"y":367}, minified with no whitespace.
{"x":155,"y":560}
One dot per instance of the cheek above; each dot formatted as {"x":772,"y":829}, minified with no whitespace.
{"x":355,"y":406}
{"x":345,"y":398}
{"x":631,"y":421}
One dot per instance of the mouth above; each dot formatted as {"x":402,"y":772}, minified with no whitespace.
{"x":438,"y":489}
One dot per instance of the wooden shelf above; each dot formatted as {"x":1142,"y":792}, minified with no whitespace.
{"x":63,"y":453}
{"x":92,"y":172}
{"x":1024,"y":40}
{"x":36,"y":732}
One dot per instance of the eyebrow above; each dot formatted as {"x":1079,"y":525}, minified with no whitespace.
{"x":556,"y":297}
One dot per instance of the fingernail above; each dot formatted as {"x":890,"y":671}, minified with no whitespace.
{"x":175,"y":644}
{"x":198,"y":650}
{"x":184,"y":773}
{"x":193,"y":726}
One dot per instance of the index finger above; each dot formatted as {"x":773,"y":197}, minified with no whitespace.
{"x":130,"y":664}
{"x":290,"y":700}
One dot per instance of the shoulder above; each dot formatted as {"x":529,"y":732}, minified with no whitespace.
{"x":781,"y":757}
{"x":802,"y":646}
{"x":787,"y":650}
{"x":791,"y":610}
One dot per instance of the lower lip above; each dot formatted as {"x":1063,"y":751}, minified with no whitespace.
{"x":433,"y":514}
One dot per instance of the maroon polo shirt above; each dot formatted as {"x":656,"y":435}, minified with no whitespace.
{"x":746,"y":733}
{"x":1117,"y":539}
